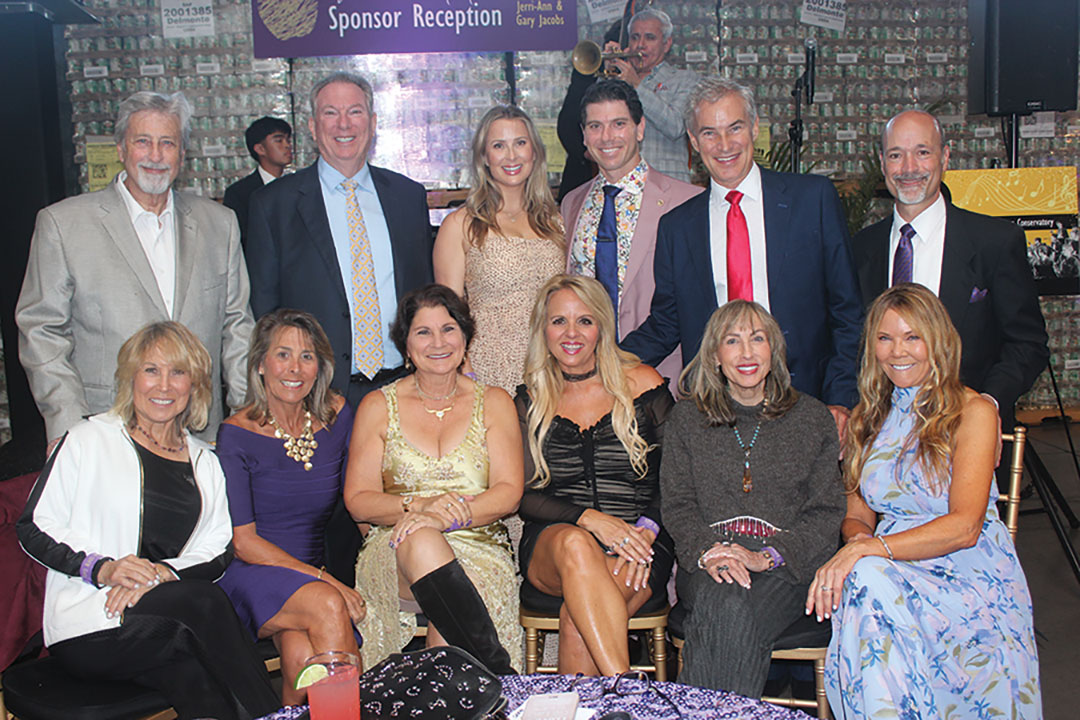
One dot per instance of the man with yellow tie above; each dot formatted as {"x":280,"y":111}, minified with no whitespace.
{"x":342,"y":239}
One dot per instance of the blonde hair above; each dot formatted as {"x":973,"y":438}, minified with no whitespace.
{"x":545,"y":382}
{"x":703,"y":380}
{"x":182,"y":350}
{"x":485,"y":199}
{"x":938,"y":403}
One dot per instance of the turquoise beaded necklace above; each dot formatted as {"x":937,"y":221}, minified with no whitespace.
{"x":747,"y":481}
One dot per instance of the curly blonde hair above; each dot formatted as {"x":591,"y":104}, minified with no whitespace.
{"x":485,"y":200}
{"x":940,"y":399}
{"x":545,"y":382}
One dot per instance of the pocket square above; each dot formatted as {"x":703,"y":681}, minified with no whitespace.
{"x":978,"y":295}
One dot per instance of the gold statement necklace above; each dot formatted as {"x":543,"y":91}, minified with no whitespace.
{"x":301,"y":447}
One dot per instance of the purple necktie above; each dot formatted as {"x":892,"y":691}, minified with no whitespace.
{"x":904,"y":257}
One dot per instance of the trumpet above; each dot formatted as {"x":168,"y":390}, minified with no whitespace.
{"x":587,"y":58}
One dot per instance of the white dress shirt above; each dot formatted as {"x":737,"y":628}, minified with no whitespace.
{"x":753,"y":208}
{"x":378,"y":238}
{"x":157,"y":235}
{"x":267,"y":178}
{"x":928,"y":245}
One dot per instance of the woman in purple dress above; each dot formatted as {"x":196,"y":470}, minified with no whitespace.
{"x":284,"y":461}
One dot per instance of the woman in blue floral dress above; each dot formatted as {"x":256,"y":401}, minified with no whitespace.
{"x":931,"y":611}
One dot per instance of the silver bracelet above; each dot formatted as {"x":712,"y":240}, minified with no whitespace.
{"x":886,"y":546}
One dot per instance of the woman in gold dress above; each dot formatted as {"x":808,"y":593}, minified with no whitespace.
{"x":435,"y":461}
{"x":505,"y":243}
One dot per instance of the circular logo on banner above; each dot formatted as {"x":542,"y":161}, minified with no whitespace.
{"x":287,"y":19}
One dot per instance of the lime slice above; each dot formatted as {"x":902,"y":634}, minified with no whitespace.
{"x":310,"y":675}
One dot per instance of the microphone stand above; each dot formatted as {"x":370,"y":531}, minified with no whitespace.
{"x":795,"y":128}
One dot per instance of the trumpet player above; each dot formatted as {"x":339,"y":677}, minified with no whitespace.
{"x":662,"y":88}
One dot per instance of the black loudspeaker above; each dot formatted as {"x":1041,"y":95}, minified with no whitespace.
{"x":1023,"y":56}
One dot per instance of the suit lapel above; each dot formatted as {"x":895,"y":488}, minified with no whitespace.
{"x":187,"y":241}
{"x":699,"y":248}
{"x":117,"y":223}
{"x":312,"y":211}
{"x":776,"y":209}
{"x":874,"y":270}
{"x":394,"y":227}
{"x":957,"y":268}
{"x":654,"y":202}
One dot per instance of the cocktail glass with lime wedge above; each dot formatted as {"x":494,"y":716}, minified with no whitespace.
{"x":332,"y":682}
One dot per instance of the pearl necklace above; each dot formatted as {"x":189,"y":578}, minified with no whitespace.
{"x":299,"y":448}
{"x":424,"y":396}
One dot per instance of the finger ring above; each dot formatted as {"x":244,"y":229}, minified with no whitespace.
{"x":721,"y":568}
{"x":449,"y":505}
{"x":461,"y":499}
{"x":624,"y":541}
{"x":825,"y":588}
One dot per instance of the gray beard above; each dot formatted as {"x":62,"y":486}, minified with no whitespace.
{"x":151,"y":185}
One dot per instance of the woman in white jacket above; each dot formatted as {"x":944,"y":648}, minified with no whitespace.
{"x":131,"y":519}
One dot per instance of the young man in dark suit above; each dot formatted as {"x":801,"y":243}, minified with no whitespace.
{"x":269,"y":140}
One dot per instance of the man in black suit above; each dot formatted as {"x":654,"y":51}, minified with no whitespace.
{"x":976,"y":265}
{"x":795,"y":257}
{"x":343,"y":240}
{"x":269,"y":140}
{"x":301,"y":244}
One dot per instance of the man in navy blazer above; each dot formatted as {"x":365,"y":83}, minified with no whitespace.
{"x":976,"y":265}
{"x":299,"y":254}
{"x":299,"y":246}
{"x":800,"y":259}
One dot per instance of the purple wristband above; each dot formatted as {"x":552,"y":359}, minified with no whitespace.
{"x":777,"y":558}
{"x":86,"y":570}
{"x":648,"y":523}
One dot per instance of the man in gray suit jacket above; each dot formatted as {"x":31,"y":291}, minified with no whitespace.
{"x":104,"y":264}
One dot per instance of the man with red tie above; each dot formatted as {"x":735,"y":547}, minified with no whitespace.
{"x":778,"y":239}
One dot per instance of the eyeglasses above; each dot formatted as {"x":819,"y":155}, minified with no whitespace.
{"x":633,"y":682}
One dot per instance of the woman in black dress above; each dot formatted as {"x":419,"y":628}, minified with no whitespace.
{"x":591,"y":418}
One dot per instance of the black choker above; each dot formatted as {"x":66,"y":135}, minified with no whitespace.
{"x":569,"y":377}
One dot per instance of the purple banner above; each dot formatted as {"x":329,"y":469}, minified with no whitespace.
{"x":305,"y":28}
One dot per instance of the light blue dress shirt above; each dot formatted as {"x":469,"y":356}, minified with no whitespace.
{"x":337,"y":213}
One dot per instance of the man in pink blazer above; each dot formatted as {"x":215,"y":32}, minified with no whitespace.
{"x":611,"y":220}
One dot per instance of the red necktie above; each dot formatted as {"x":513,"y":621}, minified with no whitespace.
{"x":740,"y":283}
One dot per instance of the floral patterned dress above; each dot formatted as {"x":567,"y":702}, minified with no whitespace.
{"x":948,"y":637}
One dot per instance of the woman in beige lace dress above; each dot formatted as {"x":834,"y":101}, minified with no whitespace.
{"x":504,"y":244}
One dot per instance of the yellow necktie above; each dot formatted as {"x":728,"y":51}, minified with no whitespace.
{"x":367,"y":323}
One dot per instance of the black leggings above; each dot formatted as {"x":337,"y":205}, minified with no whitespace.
{"x":184,"y":640}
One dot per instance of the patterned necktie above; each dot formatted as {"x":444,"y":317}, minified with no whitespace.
{"x":740,"y":281}
{"x":904,"y":258}
{"x":607,"y":248}
{"x":364,"y":296}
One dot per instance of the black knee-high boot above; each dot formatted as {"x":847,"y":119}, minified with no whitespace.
{"x":452,"y":604}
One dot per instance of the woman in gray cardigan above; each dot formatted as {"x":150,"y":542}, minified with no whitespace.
{"x":751,"y":494}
